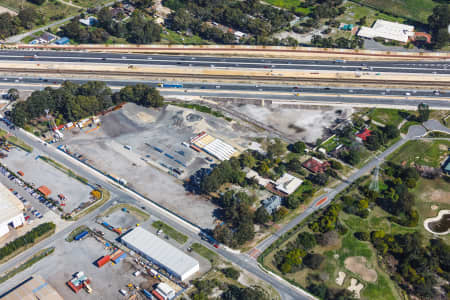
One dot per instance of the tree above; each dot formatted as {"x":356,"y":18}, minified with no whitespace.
{"x":13,"y":94}
{"x":335,"y":164}
{"x":438,"y":23}
{"x":373,"y":142}
{"x":37,"y":2}
{"x":276,"y":148}
{"x":391,"y":131}
{"x":320,"y":178}
{"x":424,"y":112}
{"x":306,"y":240}
{"x":27,"y":17}
{"x":280,"y":213}
{"x":292,"y":201}
{"x":362,"y":235}
{"x":313,"y":261}
{"x":262,"y":216}
{"x":297,"y":147}
{"x":231,"y":273}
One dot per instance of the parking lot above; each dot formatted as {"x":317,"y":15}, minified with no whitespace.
{"x":39,"y":173}
{"x":125,"y":146}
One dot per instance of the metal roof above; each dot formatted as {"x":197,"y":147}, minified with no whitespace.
{"x":388,"y":30}
{"x":10,"y":206}
{"x":161,"y":251}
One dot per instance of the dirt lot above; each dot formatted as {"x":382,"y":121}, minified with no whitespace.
{"x":7,"y":10}
{"x":41,"y":173}
{"x":302,"y":124}
{"x":358,"y":265}
{"x":143,"y":129}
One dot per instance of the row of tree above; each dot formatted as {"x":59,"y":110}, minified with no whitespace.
{"x":27,"y":239}
{"x":329,"y":42}
{"x":72,"y":102}
{"x":25,"y":19}
{"x":204,"y":288}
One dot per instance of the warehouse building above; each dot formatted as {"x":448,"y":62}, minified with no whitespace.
{"x":11,"y":211}
{"x":34,"y":288}
{"x":388,"y":30}
{"x":160,"y":252}
{"x":215,"y":147}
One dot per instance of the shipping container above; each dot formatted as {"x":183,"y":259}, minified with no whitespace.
{"x":157,"y":149}
{"x":81,"y":235}
{"x":102,"y":261}
{"x":147,"y":294}
{"x":169,"y":156}
{"x":118,"y":259}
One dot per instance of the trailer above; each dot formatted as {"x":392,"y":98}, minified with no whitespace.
{"x":117,"y":259}
{"x":81,"y":235}
{"x":169,"y":156}
{"x":147,"y":294}
{"x":157,"y":149}
{"x":174,"y":85}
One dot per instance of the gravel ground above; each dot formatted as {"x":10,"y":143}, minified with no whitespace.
{"x":143,"y":129}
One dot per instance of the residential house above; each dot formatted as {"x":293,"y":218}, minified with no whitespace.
{"x":363,"y":135}
{"x":288,"y":183}
{"x":272,"y":204}
{"x":89,"y":21}
{"x":316,"y":165}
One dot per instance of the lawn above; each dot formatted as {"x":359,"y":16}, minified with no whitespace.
{"x":428,"y":153}
{"x":289,"y":5}
{"x":330,"y":144}
{"x":171,"y":37}
{"x":354,"y":12}
{"x":417,"y":10}
{"x":206,"y":253}
{"x":51,"y":10}
{"x":386,"y":116}
{"x":88,"y":3}
{"x":171,"y":232}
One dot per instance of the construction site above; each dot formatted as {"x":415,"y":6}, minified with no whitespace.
{"x":152,"y":150}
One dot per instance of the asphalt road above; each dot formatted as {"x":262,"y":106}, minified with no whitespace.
{"x":425,"y":67}
{"x":287,"y":291}
{"x":278,"y":94}
{"x":414,"y":132}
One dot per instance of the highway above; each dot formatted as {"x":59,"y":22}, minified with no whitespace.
{"x":278,"y":93}
{"x":425,"y":67}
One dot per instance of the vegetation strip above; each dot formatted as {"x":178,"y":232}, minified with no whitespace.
{"x":34,"y":259}
{"x":75,"y":232}
{"x":26,"y":241}
{"x":171,"y":232}
{"x":15,"y":141}
{"x":64,"y":169}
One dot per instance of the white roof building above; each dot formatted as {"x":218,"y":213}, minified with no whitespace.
{"x":11,"y":210}
{"x":151,"y":247}
{"x":387,"y":30}
{"x":215,"y":147}
{"x":165,"y":291}
{"x":288,"y":183}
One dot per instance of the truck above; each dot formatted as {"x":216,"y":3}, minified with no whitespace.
{"x":81,"y":235}
{"x":167,"y":85}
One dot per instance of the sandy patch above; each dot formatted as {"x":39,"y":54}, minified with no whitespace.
{"x":434,"y":207}
{"x":355,"y":287}
{"x":341,"y":277}
{"x":7,"y":10}
{"x":439,"y":196}
{"x":145,"y":117}
{"x":357,"y":265}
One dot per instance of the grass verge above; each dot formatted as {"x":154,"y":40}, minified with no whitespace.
{"x":97,"y":204}
{"x":76,"y":232}
{"x":140,"y":214}
{"x":16,"y":142}
{"x":172,"y":233}
{"x":206,"y":253}
{"x":203,"y":109}
{"x":64,"y":169}
{"x":34,"y":259}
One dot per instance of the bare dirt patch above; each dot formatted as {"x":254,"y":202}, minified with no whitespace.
{"x":439,"y":196}
{"x":357,"y":265}
{"x":7,"y":10}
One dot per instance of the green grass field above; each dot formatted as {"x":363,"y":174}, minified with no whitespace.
{"x":171,"y":37}
{"x":354,"y":12}
{"x":290,"y":5}
{"x":417,"y":10}
{"x":171,"y":232}
{"x":88,"y":3}
{"x":386,"y":116}
{"x":428,"y":153}
{"x":51,"y":10}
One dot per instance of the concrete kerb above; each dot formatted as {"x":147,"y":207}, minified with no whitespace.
{"x":134,"y":194}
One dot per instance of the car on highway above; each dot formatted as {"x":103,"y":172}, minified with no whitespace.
{"x":407,"y":94}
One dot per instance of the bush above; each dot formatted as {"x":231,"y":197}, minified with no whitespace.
{"x":362,"y":235}
{"x":231,"y":273}
{"x":96,"y":194}
{"x":313,"y":261}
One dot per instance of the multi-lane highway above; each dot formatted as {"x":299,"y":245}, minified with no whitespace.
{"x":425,"y":67}
{"x":286,"y":93}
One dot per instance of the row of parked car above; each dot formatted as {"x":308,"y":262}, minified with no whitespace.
{"x":31,"y":211}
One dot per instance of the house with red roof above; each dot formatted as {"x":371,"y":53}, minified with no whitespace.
{"x":316,"y":165}
{"x":363,"y":135}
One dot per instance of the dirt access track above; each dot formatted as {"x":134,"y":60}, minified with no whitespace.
{"x":248,"y":51}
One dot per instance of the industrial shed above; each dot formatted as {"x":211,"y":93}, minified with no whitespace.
{"x":151,"y":247}
{"x":11,"y":211}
